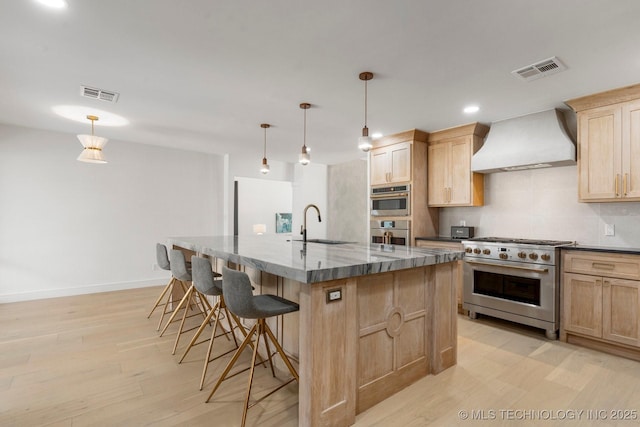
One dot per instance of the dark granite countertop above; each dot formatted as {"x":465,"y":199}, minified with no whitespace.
{"x":609,"y":249}
{"x":314,"y":262}
{"x":440,"y":239}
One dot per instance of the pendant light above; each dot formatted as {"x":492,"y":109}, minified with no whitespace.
{"x":265,"y":166}
{"x":364,"y":142}
{"x":304,"y":157}
{"x":93,"y":146}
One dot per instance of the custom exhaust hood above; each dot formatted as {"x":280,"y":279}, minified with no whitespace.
{"x":532,"y":141}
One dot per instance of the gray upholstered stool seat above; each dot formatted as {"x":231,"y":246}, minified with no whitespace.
{"x":238,"y":294}
{"x":162,"y":259}
{"x":205,"y":283}
{"x":192,"y":296}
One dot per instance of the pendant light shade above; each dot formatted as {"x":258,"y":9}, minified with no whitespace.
{"x":93,"y":146}
{"x":365,"y":142}
{"x":304,"y":158}
{"x":265,"y":166}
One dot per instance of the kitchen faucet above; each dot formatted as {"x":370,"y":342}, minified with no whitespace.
{"x":303,"y":228}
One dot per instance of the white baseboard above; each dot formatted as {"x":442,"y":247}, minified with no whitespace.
{"x":82,"y":290}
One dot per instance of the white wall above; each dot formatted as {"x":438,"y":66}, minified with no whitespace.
{"x":68,"y":227}
{"x":543,"y":204}
{"x":258,"y":202}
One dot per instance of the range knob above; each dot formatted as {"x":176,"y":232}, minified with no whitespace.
{"x":533,"y":255}
{"x":503,"y":256}
{"x":468,"y":250}
{"x":486,"y":251}
{"x":545,"y":257}
{"x":522,"y":255}
{"x":476,"y":251}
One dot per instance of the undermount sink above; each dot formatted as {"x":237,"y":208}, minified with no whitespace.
{"x":324,"y":241}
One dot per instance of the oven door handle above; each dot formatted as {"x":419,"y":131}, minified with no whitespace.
{"x":537,"y":270}
{"x":388,"y":196}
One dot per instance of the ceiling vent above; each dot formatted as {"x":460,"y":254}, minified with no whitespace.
{"x":101,"y":94}
{"x":542,"y":68}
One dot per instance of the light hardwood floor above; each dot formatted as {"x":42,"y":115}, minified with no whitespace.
{"x":95,"y":360}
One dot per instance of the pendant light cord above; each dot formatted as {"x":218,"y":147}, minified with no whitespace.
{"x":365,"y":103}
{"x":304,"y":140}
{"x":265,"y":143}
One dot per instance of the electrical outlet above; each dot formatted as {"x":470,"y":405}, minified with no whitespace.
{"x":463,"y":223}
{"x":609,"y":230}
{"x":334,"y":295}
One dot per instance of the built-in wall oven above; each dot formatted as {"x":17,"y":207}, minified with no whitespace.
{"x":514,"y":279}
{"x":391,"y":201}
{"x":390,"y":232}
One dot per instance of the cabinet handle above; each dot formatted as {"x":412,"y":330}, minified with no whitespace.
{"x":603,"y":266}
{"x":598,"y":282}
{"x":624,"y":184}
{"x":606,"y":284}
{"x":617,"y":185}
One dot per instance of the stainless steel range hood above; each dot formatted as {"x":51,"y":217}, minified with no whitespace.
{"x":533,"y":141}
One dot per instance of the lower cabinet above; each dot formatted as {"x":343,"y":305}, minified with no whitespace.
{"x":601,"y":300}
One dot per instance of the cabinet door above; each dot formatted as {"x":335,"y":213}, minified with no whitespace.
{"x":437,"y":171}
{"x":631,"y":151}
{"x":380,"y":166}
{"x":620,"y":311}
{"x":600,"y":136}
{"x":400,"y":162}
{"x":582,"y":304}
{"x":460,"y":171}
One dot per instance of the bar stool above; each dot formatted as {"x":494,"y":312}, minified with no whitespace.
{"x":181,"y":273}
{"x":162,"y":260}
{"x":236,"y":288}
{"x":206,"y":284}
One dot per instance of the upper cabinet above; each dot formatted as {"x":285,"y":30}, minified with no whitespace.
{"x":450,"y":180}
{"x":609,"y":145}
{"x":391,"y":164}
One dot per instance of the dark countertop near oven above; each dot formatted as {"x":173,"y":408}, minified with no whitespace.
{"x":440,"y":239}
{"x":610,"y":249}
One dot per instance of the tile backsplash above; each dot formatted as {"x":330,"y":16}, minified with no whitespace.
{"x":543,"y":204}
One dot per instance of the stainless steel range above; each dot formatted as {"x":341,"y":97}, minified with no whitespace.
{"x":514,"y":279}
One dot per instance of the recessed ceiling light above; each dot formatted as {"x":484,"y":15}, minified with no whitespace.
{"x":54,"y":4}
{"x":79,"y":113}
{"x":376,"y":135}
{"x":470,"y":109}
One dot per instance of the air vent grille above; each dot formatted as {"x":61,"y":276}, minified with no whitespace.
{"x":101,"y":94}
{"x":543,"y":68}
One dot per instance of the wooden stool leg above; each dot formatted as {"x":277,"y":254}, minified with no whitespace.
{"x":175,"y":311}
{"x":210,"y":347}
{"x":252,"y":369}
{"x":200,"y":329}
{"x":164,"y":291}
{"x":233,"y":360}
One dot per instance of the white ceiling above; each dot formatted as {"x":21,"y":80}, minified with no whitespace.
{"x":203,"y":74}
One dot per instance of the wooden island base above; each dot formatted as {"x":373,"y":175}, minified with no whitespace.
{"x":384,"y":332}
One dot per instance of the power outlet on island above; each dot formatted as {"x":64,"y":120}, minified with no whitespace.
{"x":609,"y":230}
{"x":334,"y":295}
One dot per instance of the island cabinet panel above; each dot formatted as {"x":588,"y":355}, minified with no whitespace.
{"x":443,"y":322}
{"x":328,"y":354}
{"x":392,"y":332}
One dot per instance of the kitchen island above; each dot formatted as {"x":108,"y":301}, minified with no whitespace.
{"x":373,"y":318}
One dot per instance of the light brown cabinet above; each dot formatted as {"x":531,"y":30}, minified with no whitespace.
{"x":402,"y":158}
{"x":391,"y":164}
{"x":609,"y":145}
{"x":601,"y":298}
{"x":450,"y":180}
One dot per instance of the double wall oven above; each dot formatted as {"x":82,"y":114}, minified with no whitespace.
{"x":514,"y":279}
{"x":389,"y":208}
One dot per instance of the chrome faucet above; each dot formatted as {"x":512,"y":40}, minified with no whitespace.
{"x":303,"y":228}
